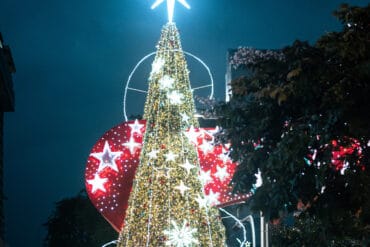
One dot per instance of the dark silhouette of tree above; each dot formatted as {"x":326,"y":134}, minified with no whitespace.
{"x":75,"y":222}
{"x":303,"y":119}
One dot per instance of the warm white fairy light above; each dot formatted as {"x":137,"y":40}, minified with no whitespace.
{"x":166,"y":82}
{"x":175,"y":97}
{"x":170,"y":156}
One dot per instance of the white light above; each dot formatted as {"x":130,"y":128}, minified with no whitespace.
{"x":132,"y":145}
{"x":206,"y":147}
{"x":157,"y":65}
{"x":259,"y":181}
{"x":222,"y":173}
{"x":175,"y":97}
{"x":202,"y":201}
{"x":153,"y":154}
{"x":170,"y":6}
{"x":192,"y":135}
{"x":205,"y":177}
{"x":182,"y":188}
{"x":187,"y":166}
{"x":181,"y":237}
{"x":136,"y":127}
{"x":170,"y":156}
{"x":107,"y":158}
{"x":166,"y":82}
{"x":212,"y":198}
{"x":185,"y":118}
{"x":97,"y":183}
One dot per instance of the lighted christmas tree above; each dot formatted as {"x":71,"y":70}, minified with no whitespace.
{"x":167,"y":205}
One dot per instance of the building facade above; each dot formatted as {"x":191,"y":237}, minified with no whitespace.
{"x":7,"y":68}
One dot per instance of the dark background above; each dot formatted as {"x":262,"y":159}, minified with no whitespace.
{"x":73,"y":59}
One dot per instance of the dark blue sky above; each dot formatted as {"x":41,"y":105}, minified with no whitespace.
{"x":73,"y":59}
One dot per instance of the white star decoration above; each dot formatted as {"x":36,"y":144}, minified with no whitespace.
{"x":202,"y":201}
{"x":206,"y":147}
{"x":166,"y":82}
{"x":185,"y":118}
{"x":222,"y":172}
{"x":97,"y":183}
{"x":187,"y":166}
{"x":170,"y":7}
{"x":181,"y":237}
{"x":182,"y":188}
{"x":192,"y":135}
{"x":170,"y":156}
{"x":107,"y":158}
{"x":175,"y":97}
{"x":136,"y":127}
{"x":153,"y":154}
{"x":205,"y":177}
{"x":224,"y":156}
{"x":132,"y":145}
{"x":157,"y":65}
{"x":212,"y":198}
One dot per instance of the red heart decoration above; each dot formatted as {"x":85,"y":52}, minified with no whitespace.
{"x":114,"y":158}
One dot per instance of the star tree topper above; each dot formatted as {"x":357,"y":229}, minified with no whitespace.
{"x":170,"y":6}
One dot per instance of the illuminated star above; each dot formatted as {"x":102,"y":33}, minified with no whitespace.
{"x":212,"y":198}
{"x":192,"y":135}
{"x":224,"y":156}
{"x":157,"y":65}
{"x":181,"y":237}
{"x":222,"y":173}
{"x":132,"y":145}
{"x":170,"y":7}
{"x":248,"y":244}
{"x":185,"y":118}
{"x":153,"y":154}
{"x":187,"y":166}
{"x":136,"y":127}
{"x":182,"y":188}
{"x":205,"y":177}
{"x":175,"y":97}
{"x":166,"y":82}
{"x":202,"y":201}
{"x":206,"y":147}
{"x":97,"y":183}
{"x":107,"y":158}
{"x":170,"y":156}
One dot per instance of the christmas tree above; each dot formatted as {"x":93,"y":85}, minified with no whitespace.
{"x":167,"y":206}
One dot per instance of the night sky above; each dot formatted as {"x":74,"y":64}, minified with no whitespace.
{"x":73,"y":59}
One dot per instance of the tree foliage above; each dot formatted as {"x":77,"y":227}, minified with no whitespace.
{"x":75,"y":222}
{"x":304,"y":122}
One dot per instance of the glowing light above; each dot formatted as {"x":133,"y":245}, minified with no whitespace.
{"x":166,"y":82}
{"x":132,"y":145}
{"x":202,"y":201}
{"x":259,"y":181}
{"x":175,"y":97}
{"x":170,"y":156}
{"x":107,"y":158}
{"x":205,"y":177}
{"x":187,"y":166}
{"x":153,"y":154}
{"x":206,"y":147}
{"x":97,"y":183}
{"x":222,"y":173}
{"x":192,"y":135}
{"x":181,"y":237}
{"x":212,"y":198}
{"x":136,"y":127}
{"x":185,"y":118}
{"x":157,"y":65}
{"x":182,"y":188}
{"x":170,"y":6}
